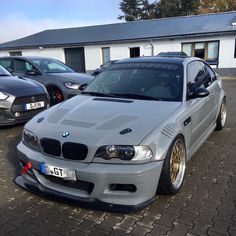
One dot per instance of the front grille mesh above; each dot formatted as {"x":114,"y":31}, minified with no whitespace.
{"x":72,"y":151}
{"x":79,"y":184}
{"x":51,"y":146}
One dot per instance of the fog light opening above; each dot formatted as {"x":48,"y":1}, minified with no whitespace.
{"x":123,"y":187}
{"x":17,"y":114}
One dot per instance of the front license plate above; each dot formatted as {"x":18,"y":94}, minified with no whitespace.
{"x":59,"y":172}
{"x":34,"y":105}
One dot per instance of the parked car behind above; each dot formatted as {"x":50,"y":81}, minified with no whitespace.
{"x":20,"y":99}
{"x":103,"y":67}
{"x":127,"y":136}
{"x":60,"y":80}
{"x":172,"y":54}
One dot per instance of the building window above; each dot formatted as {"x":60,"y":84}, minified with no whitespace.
{"x":187,"y":48}
{"x":204,"y":50}
{"x":199,"y":50}
{"x":134,"y":52}
{"x":105,"y":55}
{"x":15,"y":53}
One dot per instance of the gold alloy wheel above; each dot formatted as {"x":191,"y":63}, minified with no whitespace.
{"x":177,"y":163}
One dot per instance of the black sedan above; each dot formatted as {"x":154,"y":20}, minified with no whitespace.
{"x":20,"y":99}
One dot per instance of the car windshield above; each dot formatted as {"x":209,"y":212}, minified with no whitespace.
{"x":52,"y":66}
{"x":146,"y":81}
{"x":4,"y":72}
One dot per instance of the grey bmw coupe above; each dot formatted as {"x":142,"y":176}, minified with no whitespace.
{"x":128,"y":136}
{"x":20,"y":99}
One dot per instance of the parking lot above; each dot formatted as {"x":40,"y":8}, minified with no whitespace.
{"x":204,"y":206}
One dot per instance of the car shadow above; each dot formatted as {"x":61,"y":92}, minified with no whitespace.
{"x":11,"y":136}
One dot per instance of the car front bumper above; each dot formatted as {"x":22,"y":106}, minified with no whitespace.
{"x":101,"y":177}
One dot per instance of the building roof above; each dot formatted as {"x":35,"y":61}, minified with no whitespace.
{"x":173,"y":27}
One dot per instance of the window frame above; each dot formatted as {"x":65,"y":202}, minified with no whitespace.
{"x":15,"y":53}
{"x":205,"y":48}
{"x":103,"y":54}
{"x":134,"y":48}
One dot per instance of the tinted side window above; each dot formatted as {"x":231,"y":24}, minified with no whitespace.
{"x":6,"y":63}
{"x":195,"y":76}
{"x":22,"y":66}
{"x":195,"y":72}
{"x":210,"y":75}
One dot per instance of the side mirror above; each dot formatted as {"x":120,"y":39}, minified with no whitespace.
{"x":83,"y":86}
{"x":33,"y":72}
{"x":200,"y":93}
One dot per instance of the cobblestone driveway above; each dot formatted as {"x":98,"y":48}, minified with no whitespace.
{"x":204,"y":206}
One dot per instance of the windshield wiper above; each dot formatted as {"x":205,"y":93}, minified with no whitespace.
{"x":98,"y":94}
{"x":136,"y":96}
{"x":4,"y":75}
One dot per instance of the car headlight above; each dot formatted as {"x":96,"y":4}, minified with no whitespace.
{"x":30,"y":140}
{"x":3,"y":96}
{"x":124,"y":152}
{"x":72,"y":85}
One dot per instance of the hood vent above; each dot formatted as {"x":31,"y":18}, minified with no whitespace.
{"x":112,"y":100}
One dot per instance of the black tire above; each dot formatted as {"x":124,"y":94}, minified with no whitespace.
{"x":55,"y":95}
{"x":169,"y":185}
{"x":220,"y":122}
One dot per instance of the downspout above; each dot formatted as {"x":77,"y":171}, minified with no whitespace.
{"x":152,"y":48}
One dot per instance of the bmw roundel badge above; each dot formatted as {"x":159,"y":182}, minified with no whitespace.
{"x":65,"y":134}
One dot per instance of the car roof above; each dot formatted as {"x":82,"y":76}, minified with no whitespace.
{"x":27,"y":57}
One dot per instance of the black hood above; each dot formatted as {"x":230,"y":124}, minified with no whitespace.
{"x":18,"y":86}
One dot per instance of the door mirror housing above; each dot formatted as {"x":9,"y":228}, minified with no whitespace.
{"x":83,"y":86}
{"x":200,"y":93}
{"x":33,"y":72}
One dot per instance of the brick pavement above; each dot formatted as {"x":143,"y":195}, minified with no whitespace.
{"x":204,"y":206}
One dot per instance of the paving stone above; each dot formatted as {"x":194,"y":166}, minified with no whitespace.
{"x":119,"y":232}
{"x":148,"y":220}
{"x":25,"y":229}
{"x":224,"y":215}
{"x":187,"y":218}
{"x":221,"y":227}
{"x":179,"y":229}
{"x":159,"y":230}
{"x":126,"y":223}
{"x":199,"y":228}
{"x":87,"y":226}
{"x":167,"y":219}
{"x":97,"y":232}
{"x":139,"y":230}
{"x":109,"y":222}
{"x":45,"y":228}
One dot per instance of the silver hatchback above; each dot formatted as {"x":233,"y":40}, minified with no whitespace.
{"x":128,"y":135}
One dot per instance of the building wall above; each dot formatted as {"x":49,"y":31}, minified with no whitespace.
{"x":93,"y":53}
{"x":57,"y":53}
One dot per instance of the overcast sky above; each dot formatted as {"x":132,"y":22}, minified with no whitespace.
{"x":21,"y":18}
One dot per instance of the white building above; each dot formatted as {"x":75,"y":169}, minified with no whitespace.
{"x":211,"y":36}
